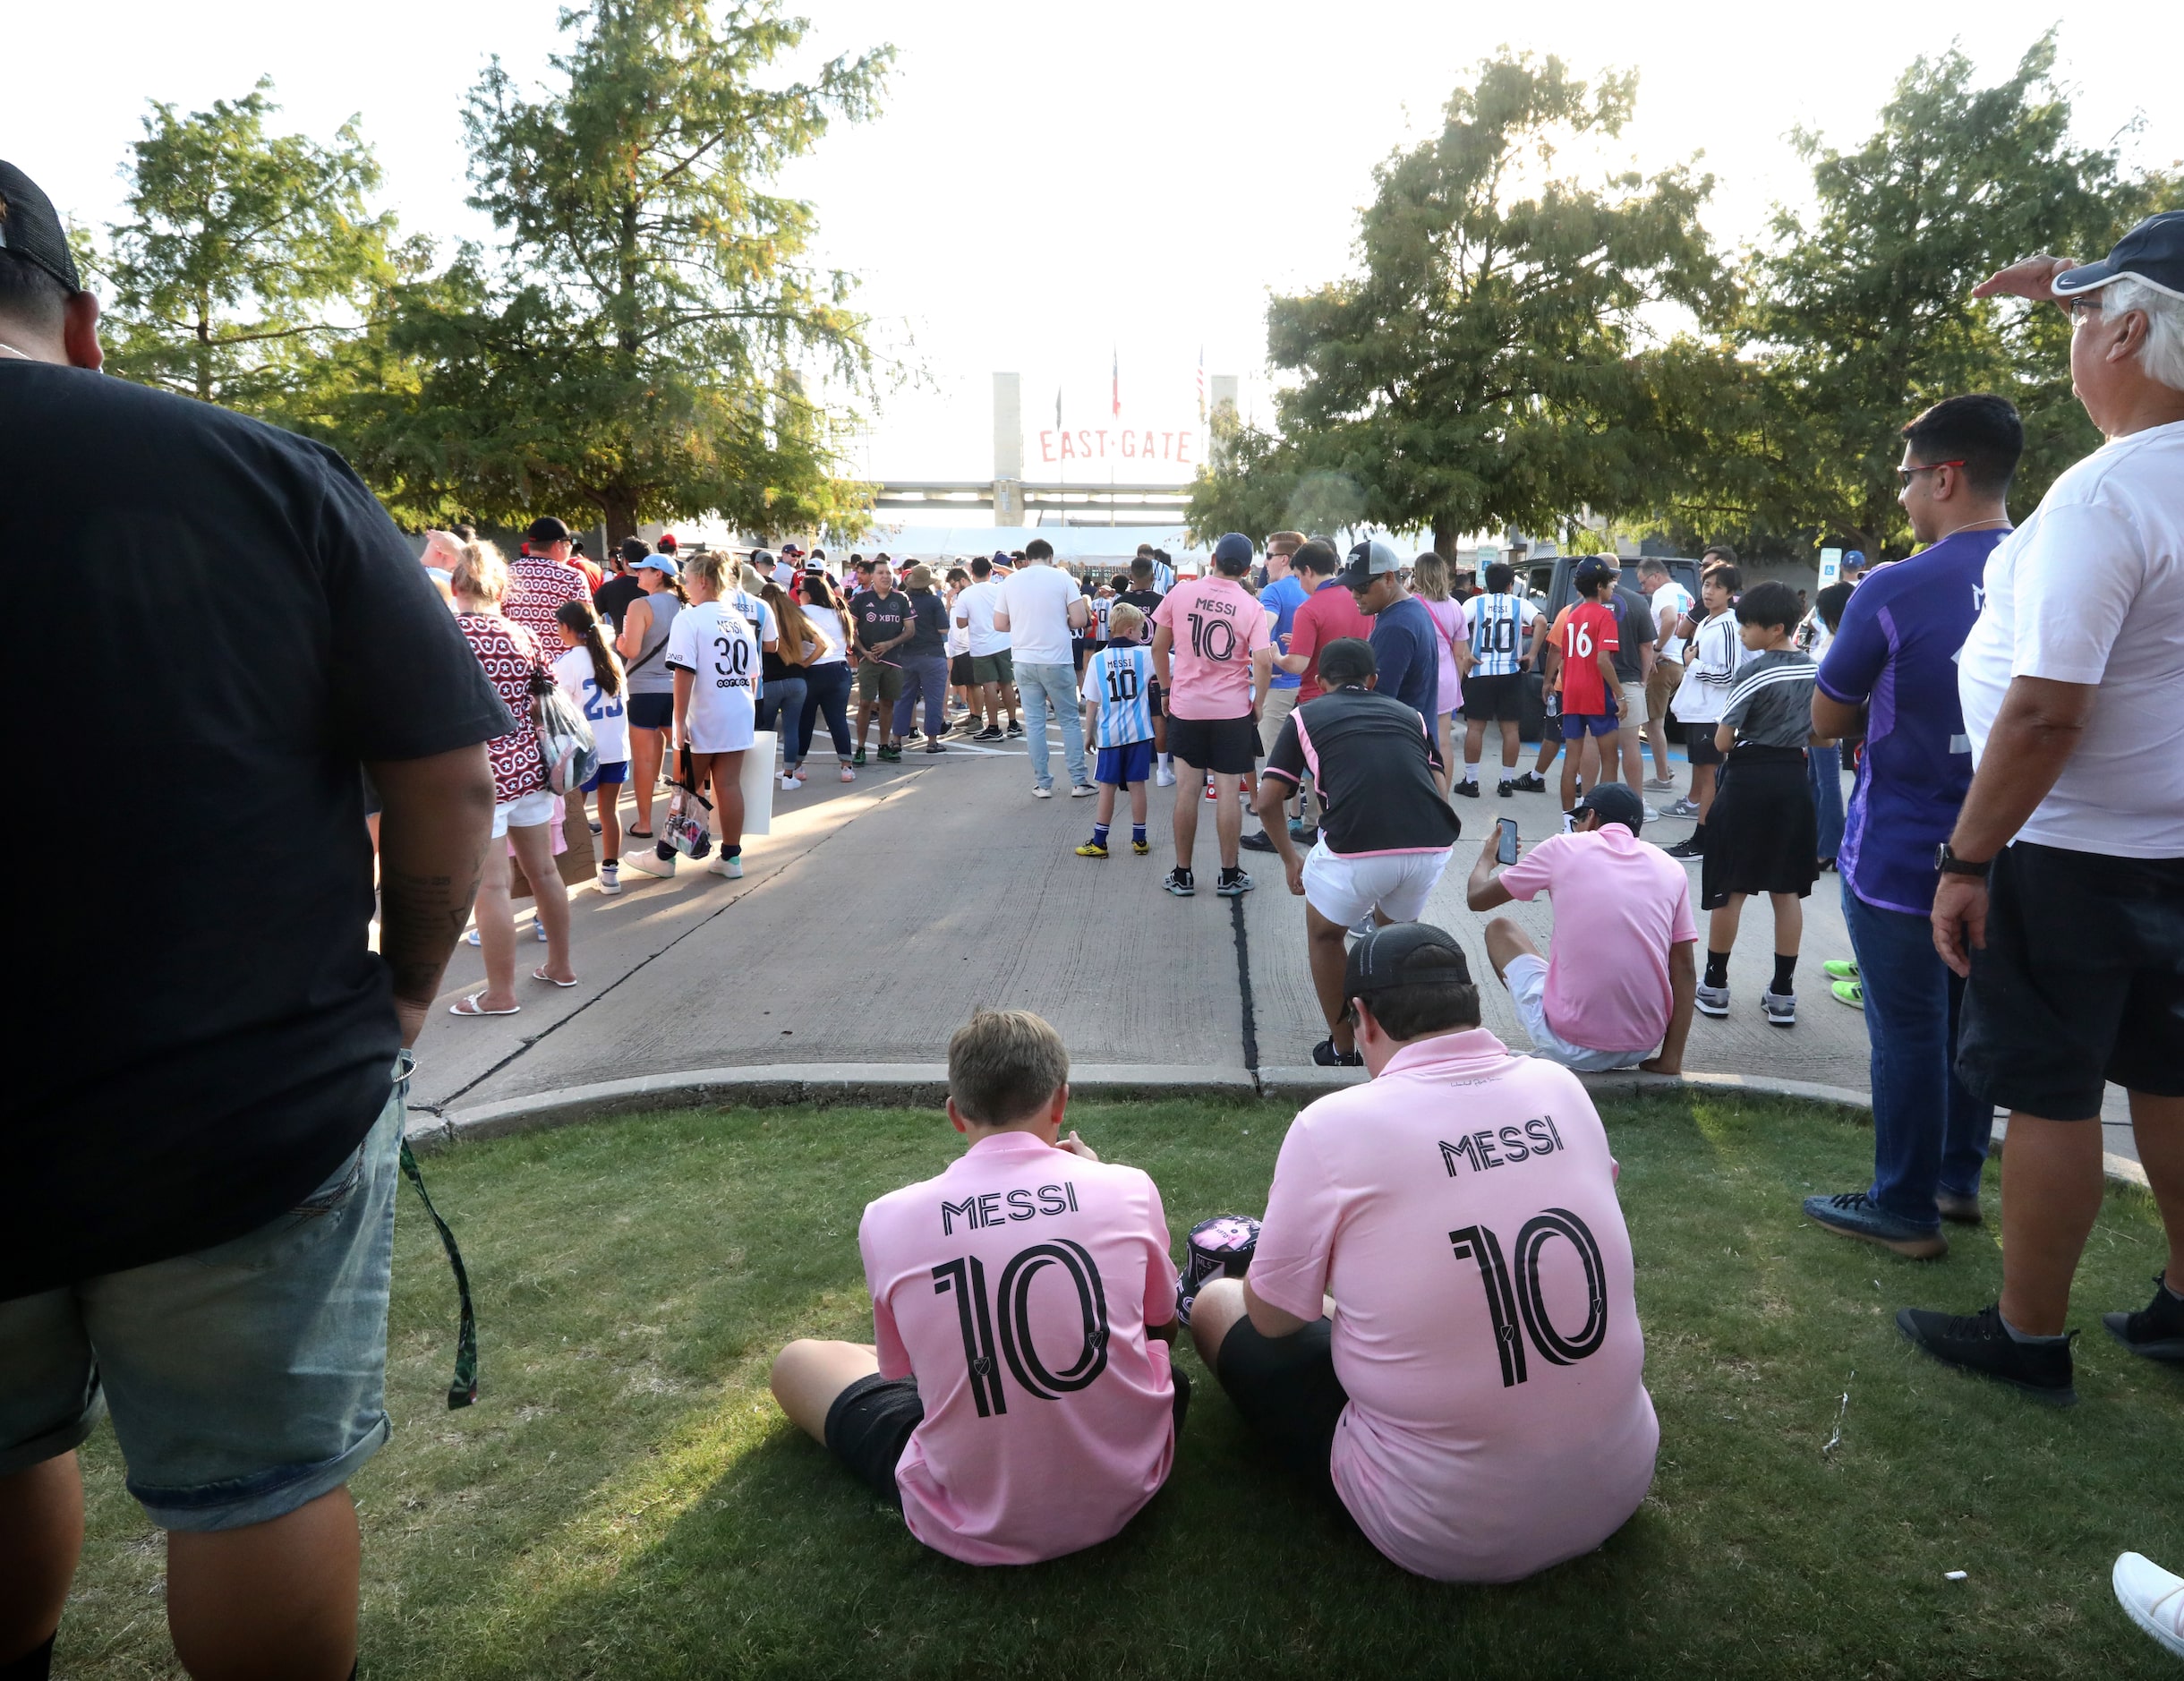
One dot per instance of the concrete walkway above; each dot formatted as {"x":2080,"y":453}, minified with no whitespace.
{"x":879,"y":914}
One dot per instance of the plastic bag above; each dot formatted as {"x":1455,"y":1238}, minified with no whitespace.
{"x":567,"y":749}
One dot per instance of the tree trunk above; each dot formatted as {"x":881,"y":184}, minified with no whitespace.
{"x":1446,"y":535}
{"x":621,"y":514}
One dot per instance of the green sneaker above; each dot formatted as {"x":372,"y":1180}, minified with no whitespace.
{"x":1849,"y":993}
{"x":859,"y":756}
{"x":1836,"y":970}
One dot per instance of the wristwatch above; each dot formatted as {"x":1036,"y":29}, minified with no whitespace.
{"x":1948,"y":864}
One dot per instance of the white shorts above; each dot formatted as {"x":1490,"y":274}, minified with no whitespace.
{"x":1348,"y":890}
{"x":1526,"y":976}
{"x":1632,"y":715}
{"x":527,"y":812}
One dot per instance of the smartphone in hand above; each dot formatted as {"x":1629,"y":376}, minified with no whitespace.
{"x":1504,"y":848}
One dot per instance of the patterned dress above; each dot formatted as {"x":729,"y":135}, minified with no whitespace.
{"x":511,"y":657}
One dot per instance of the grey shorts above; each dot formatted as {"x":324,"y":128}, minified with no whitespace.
{"x":244,"y":1380}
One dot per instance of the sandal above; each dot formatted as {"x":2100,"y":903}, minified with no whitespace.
{"x":540,"y":974}
{"x":639,"y":834}
{"x":469,"y":1007}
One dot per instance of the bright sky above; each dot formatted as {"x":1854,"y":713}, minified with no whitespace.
{"x":1051,"y":190}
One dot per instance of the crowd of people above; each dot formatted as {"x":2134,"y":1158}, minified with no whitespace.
{"x":205,"y":1180}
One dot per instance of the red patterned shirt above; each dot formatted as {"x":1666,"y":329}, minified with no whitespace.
{"x":536,"y":586}
{"x":510,"y":656}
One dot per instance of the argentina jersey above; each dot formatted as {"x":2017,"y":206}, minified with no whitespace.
{"x":1498,"y":632}
{"x":1119,"y":683}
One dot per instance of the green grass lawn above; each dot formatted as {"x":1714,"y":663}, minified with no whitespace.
{"x":625,"y":1500}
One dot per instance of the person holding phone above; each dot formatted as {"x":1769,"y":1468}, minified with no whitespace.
{"x":1629,"y":984}
{"x":1385,"y":830}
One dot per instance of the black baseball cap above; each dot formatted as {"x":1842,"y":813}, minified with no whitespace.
{"x":2153,"y":251}
{"x":1404,"y":955}
{"x":1616,"y":803}
{"x":545,"y":529}
{"x":1593,"y":571}
{"x":29,"y":229}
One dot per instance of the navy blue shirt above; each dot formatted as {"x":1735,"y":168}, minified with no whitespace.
{"x":1896,"y":653}
{"x":1406,"y":642}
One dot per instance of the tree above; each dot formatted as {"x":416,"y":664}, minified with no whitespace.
{"x":248,"y":257}
{"x":650,"y":344}
{"x":1487,"y":367}
{"x":1863,"y":315}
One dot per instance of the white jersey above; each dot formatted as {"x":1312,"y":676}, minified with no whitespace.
{"x":1670,"y":597}
{"x":1497,"y":625}
{"x":760,"y":618}
{"x":604,"y":712}
{"x":718,"y":646}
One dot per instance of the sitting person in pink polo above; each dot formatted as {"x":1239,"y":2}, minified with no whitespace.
{"x":1438,"y":1319}
{"x":1623,"y":973}
{"x":1019,"y":1404}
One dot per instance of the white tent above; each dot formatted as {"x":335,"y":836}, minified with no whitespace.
{"x":1075,"y":546}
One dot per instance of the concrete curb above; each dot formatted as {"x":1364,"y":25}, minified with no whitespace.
{"x":885,"y":1085}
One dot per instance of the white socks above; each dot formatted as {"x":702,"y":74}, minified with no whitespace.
{"x":1471,"y":769}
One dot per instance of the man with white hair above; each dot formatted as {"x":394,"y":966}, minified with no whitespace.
{"x":2061,"y":888}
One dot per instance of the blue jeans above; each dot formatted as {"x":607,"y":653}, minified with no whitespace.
{"x":1824,"y":771}
{"x":924,"y":674}
{"x":245,"y":1379}
{"x":782,"y":707}
{"x":1040,"y":685}
{"x":1929,"y":1133}
{"x":826,"y":688}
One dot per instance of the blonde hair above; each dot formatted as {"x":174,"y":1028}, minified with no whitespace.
{"x":711,"y":569}
{"x":1124,"y":621}
{"x":795,"y":629}
{"x":1005,"y":1065}
{"x":1429,"y":576}
{"x":480,"y":573}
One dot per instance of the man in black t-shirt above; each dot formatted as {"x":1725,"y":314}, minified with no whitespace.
{"x":1145,"y":598}
{"x":197,"y":1215}
{"x":884,"y":618}
{"x":1385,"y":830}
{"x":613,"y":597}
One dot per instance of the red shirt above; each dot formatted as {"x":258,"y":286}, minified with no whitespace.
{"x":1589,"y":629}
{"x":1328,"y":614}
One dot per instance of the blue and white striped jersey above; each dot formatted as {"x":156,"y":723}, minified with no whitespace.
{"x":1497,"y":625}
{"x":1119,"y":683}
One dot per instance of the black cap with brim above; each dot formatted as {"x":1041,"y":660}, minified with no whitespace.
{"x":1404,"y":955}
{"x":2153,"y":251}
{"x":1617,"y":803}
{"x":29,"y":229}
{"x":546,"y":528}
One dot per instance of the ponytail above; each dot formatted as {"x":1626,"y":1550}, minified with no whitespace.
{"x":606,"y":668}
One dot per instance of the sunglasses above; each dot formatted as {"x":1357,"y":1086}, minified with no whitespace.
{"x":1903,"y":476}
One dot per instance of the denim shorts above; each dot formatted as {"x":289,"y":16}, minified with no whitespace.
{"x":244,"y":1380}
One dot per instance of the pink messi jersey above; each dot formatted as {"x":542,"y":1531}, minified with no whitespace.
{"x":1461,"y":1209}
{"x":1217,"y":625}
{"x":1016,"y":1288}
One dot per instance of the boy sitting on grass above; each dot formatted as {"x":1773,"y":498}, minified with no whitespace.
{"x":1763,"y":835}
{"x":1019,"y":1404}
{"x":1118,"y":697}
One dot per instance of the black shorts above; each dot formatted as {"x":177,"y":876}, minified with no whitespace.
{"x":1227,"y":746}
{"x":1763,"y":835}
{"x":1699,"y":744}
{"x":651,"y":711}
{"x":959,"y":671}
{"x":1152,"y":691}
{"x":1494,"y":699}
{"x":2081,"y":982}
{"x":1286,"y":1390}
{"x":872,"y":1421}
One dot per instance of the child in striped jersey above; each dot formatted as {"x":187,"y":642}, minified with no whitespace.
{"x":1118,"y":698}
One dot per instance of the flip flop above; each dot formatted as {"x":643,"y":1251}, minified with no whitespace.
{"x":638,"y":834}
{"x":469,"y":1007}
{"x":540,"y":974}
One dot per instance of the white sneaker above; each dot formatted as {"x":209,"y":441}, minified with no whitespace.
{"x":611,"y":878}
{"x":789,"y":785}
{"x":1082,"y":790}
{"x":847,"y":775}
{"x":2152,"y":1598}
{"x":651,"y":864}
{"x":724,"y":864}
{"x":1042,"y":793}
{"x":1162,"y":777}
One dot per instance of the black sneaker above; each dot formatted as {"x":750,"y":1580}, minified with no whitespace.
{"x":991,"y":732}
{"x":890,"y":754}
{"x":1507,"y":790}
{"x":1325,"y":1055}
{"x":1468,"y":789}
{"x":1531,"y":783}
{"x":1179,"y":883}
{"x":1015,"y":731}
{"x":1981,"y":1344}
{"x":1688,"y":851}
{"x":2155,"y":1330}
{"x":1257,"y":840}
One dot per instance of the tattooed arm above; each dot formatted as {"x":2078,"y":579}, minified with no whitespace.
{"x":436,"y":815}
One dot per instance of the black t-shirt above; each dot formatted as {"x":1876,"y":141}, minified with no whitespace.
{"x":931,"y":637}
{"x":1635,"y":627}
{"x":220,"y":1035}
{"x":613,"y":597}
{"x":879,"y":620}
{"x":1373,"y":758}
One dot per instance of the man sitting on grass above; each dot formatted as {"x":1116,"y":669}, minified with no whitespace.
{"x":1019,"y":1404}
{"x":1438,"y":1320}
